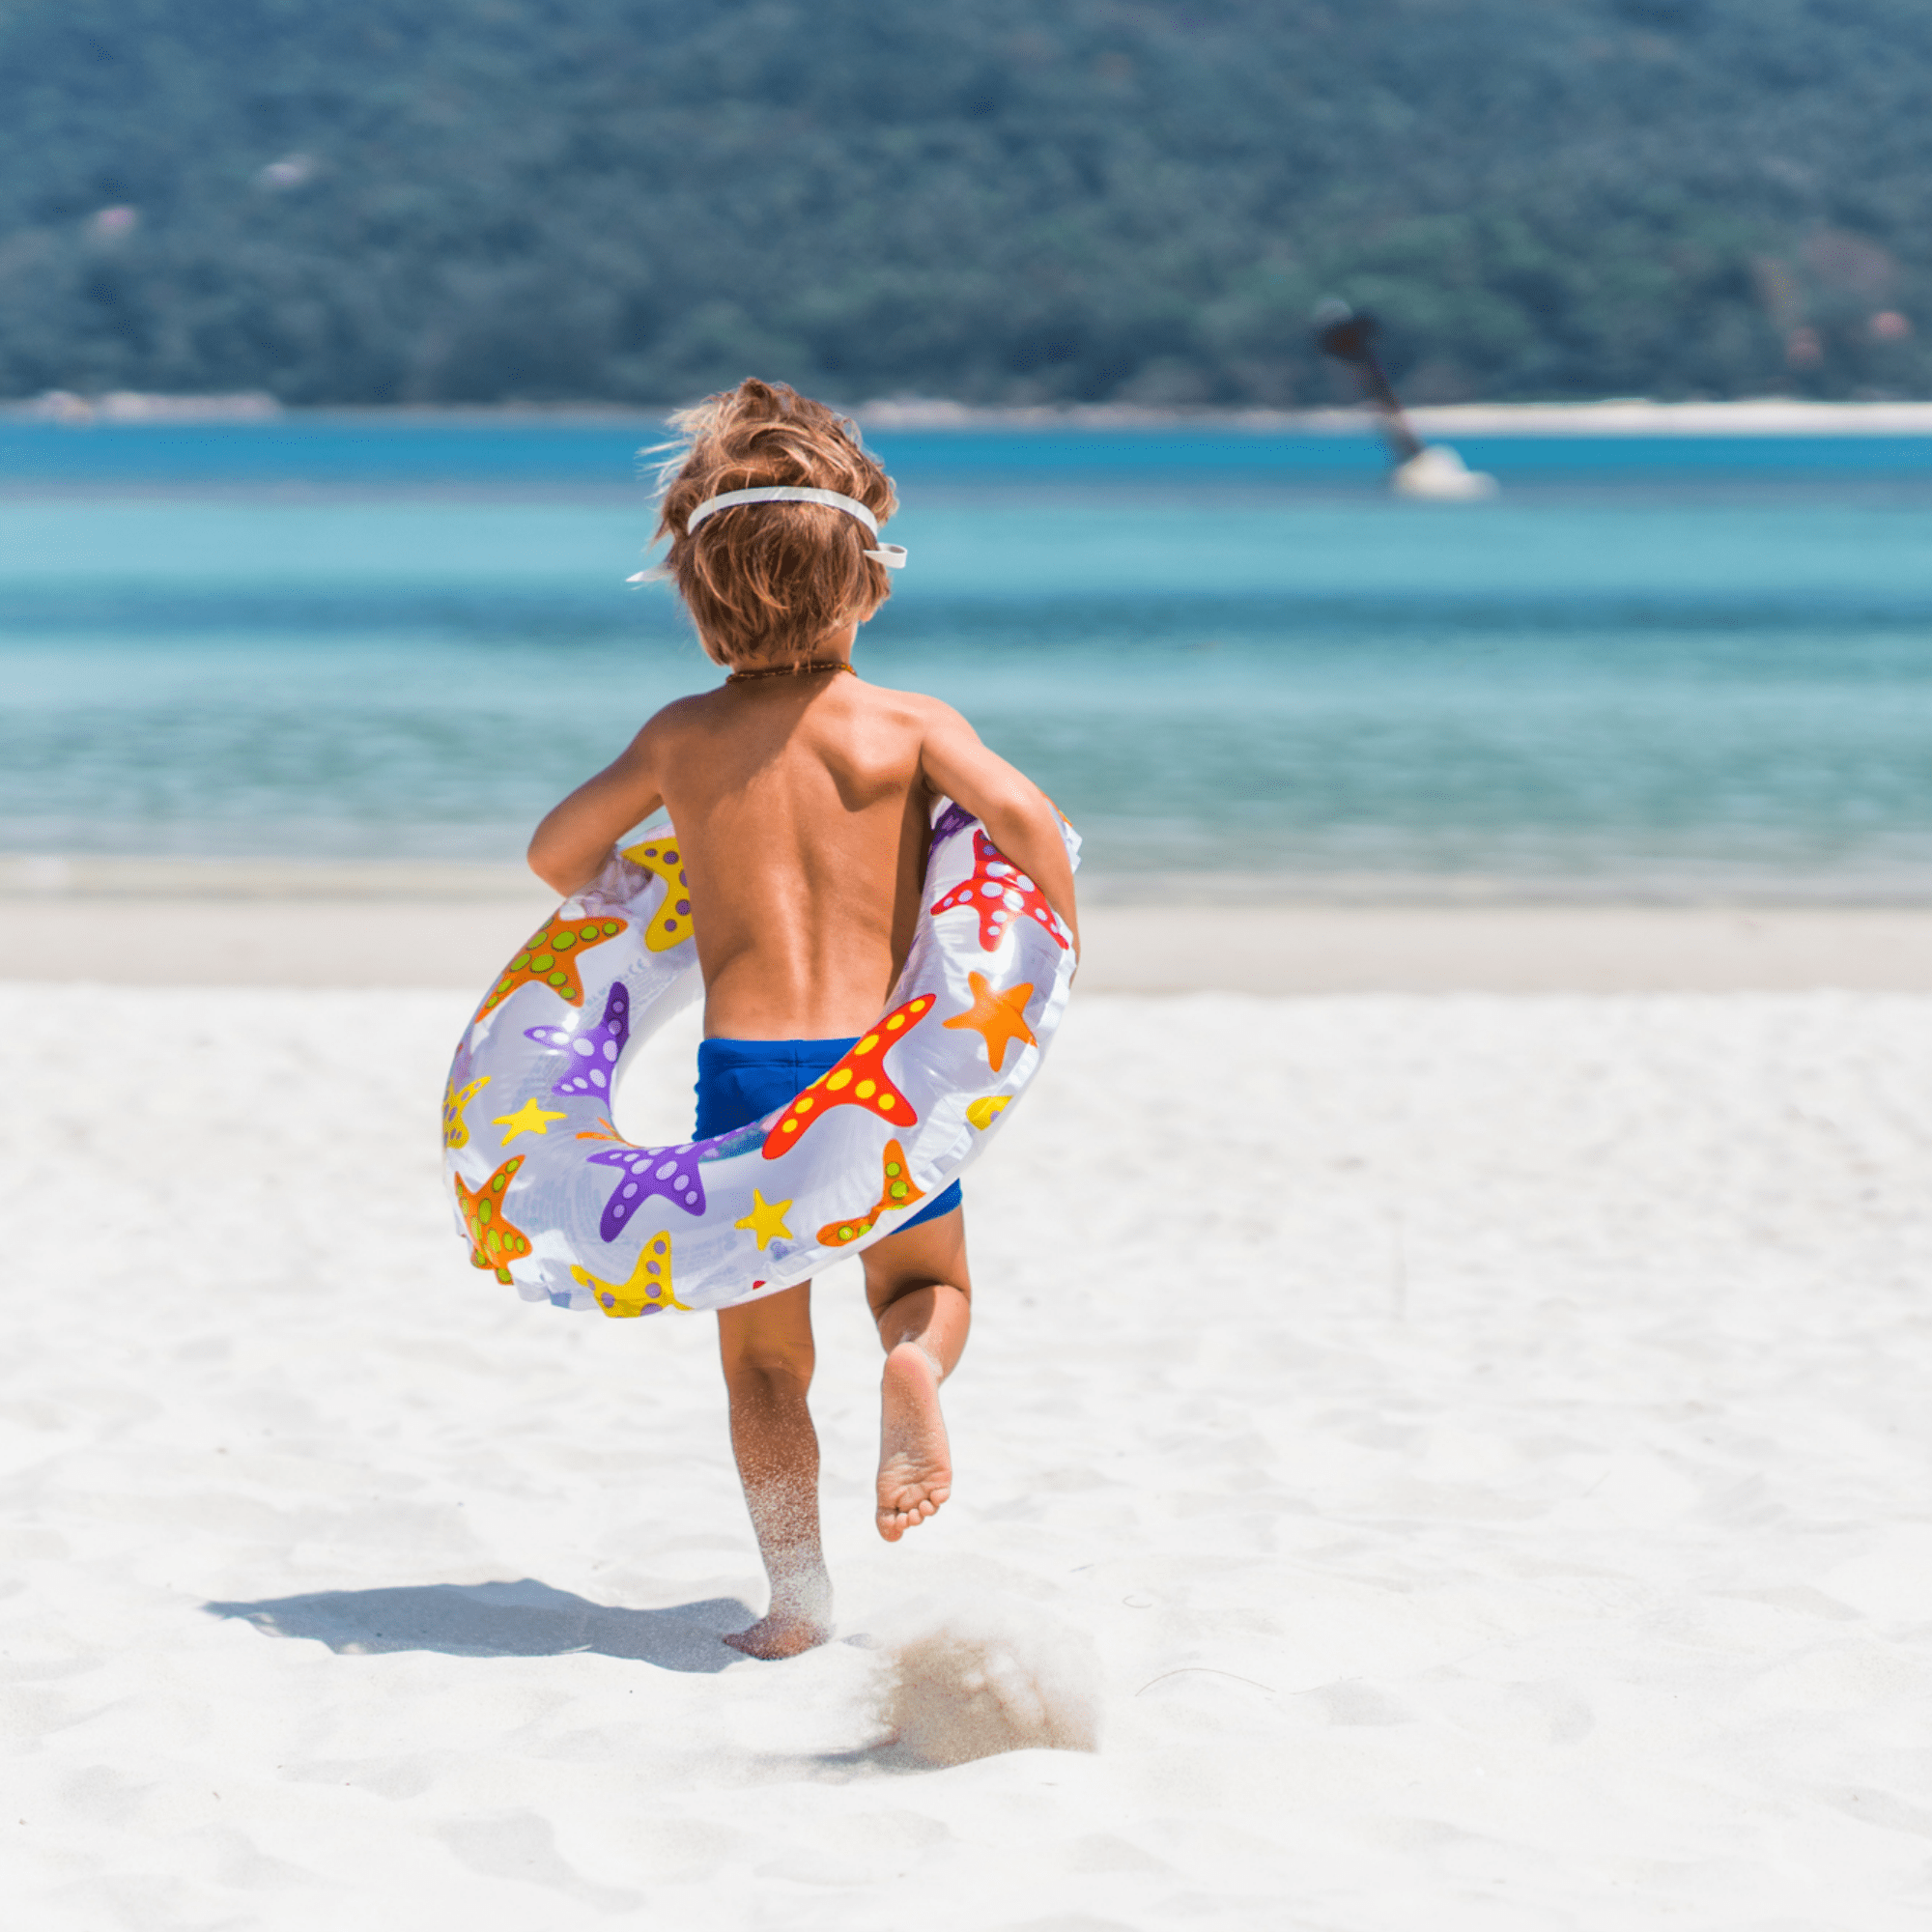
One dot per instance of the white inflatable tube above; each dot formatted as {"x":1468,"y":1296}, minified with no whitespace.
{"x":551,"y":1198}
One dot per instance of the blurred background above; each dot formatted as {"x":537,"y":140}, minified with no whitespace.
{"x":332,"y":336}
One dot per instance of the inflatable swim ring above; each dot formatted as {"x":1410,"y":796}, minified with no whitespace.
{"x":553,"y":1199}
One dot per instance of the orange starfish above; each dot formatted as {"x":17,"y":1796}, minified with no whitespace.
{"x":494,"y":1240}
{"x":998,"y":1018}
{"x":549,"y":959}
{"x":896,"y":1190}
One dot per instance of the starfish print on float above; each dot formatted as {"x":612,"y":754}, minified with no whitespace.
{"x":671,"y":924}
{"x":954,"y":818}
{"x":594,"y":1050}
{"x":671,"y":1172}
{"x":455,"y":1133}
{"x":998,"y":1018}
{"x":766,"y":1221}
{"x":494,"y":1240}
{"x":999,"y":892}
{"x":858,"y":1080}
{"x":549,"y":959}
{"x":896,"y":1190}
{"x":646,"y":1293}
{"x":528,"y":1118}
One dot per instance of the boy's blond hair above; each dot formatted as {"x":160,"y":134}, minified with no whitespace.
{"x":761,"y":580}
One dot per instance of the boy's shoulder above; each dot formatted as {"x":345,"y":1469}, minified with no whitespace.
{"x":691,"y":709}
{"x":705,"y":712}
{"x":889,"y":700}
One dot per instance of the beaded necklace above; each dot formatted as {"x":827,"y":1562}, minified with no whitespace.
{"x":790,"y":670}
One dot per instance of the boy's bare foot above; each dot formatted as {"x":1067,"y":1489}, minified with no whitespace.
{"x":915,"y":1464}
{"x":781,"y":1634}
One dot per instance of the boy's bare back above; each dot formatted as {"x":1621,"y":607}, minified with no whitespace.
{"x":808,"y":811}
{"x":802,"y":806}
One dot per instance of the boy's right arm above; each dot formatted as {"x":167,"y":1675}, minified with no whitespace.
{"x":569,"y":848}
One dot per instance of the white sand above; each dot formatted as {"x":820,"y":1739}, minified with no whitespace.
{"x":1474,"y":1449}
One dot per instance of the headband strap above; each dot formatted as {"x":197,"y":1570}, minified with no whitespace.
{"x":892,"y":556}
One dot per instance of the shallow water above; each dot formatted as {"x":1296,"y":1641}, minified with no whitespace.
{"x":1652,"y":665}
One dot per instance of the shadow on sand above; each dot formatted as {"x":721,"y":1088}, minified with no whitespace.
{"x":888,"y":1757}
{"x":525,"y":1619}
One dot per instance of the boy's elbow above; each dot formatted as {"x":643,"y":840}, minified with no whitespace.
{"x":1017,"y":801}
{"x":1033,"y":805}
{"x":543,"y":858}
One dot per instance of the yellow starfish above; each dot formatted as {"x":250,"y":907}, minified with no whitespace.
{"x":998,"y":1018}
{"x":455,"y":1133}
{"x":671,"y":924}
{"x":528,"y":1118}
{"x":982,"y":1111}
{"x":766,"y":1220}
{"x":648,"y":1288}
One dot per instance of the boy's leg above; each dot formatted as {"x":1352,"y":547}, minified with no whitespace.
{"x":921,"y":1297}
{"x":766,"y":1349}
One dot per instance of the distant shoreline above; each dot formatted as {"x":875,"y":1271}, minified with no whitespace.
{"x":1622,"y":416}
{"x":1770,"y":415}
{"x":1308,"y":950}
{"x":49,"y":880}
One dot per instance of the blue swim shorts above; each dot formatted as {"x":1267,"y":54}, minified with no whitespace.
{"x":740,"y":1080}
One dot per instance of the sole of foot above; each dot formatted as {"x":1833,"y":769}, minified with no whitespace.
{"x":915,"y":1464}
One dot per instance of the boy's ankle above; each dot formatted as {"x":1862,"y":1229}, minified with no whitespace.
{"x":805,"y":1595}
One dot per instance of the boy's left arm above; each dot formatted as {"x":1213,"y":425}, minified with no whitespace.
{"x":569,"y":848}
{"x":1016,"y":813}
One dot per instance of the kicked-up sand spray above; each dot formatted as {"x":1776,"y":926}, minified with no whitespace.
{"x":989,"y":1677}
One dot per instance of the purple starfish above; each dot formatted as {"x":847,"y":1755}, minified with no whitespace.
{"x":954,"y":818}
{"x":594,"y":1050}
{"x":669,"y":1171}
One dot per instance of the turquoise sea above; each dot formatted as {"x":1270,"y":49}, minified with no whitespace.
{"x":1656,"y":666}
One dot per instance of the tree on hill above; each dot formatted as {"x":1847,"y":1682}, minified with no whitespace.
{"x":482,"y":200}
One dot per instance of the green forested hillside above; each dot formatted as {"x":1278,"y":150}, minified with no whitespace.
{"x":474,"y":200}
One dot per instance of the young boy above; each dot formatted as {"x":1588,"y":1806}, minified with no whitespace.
{"x":802,"y":798}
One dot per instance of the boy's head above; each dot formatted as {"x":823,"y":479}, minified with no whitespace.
{"x":765,"y":580}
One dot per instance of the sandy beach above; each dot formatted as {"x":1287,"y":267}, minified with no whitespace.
{"x":1466,"y":1451}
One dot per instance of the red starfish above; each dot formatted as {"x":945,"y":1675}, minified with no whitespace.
{"x":1000,"y":891}
{"x":858,"y":1080}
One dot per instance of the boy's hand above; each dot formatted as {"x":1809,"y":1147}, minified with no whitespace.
{"x":1016,"y":813}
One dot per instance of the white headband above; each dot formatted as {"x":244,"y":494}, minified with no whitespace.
{"x":892,"y":556}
